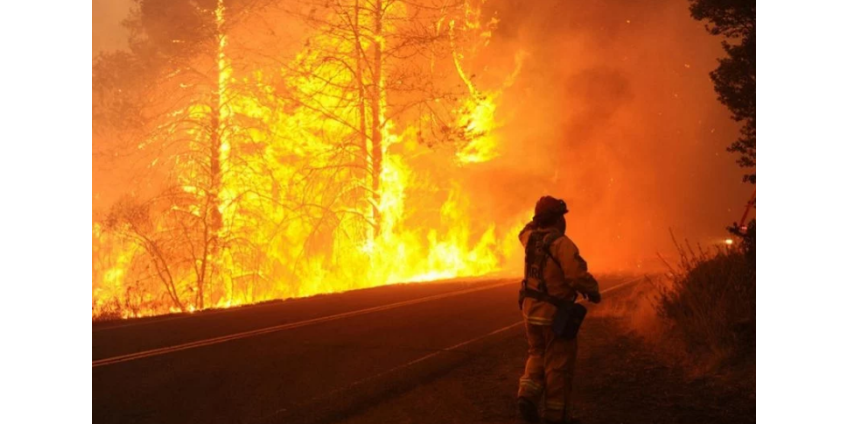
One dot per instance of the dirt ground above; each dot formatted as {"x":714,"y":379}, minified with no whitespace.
{"x":620,"y":379}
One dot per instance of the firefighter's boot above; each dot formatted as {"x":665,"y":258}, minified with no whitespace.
{"x":528,"y":410}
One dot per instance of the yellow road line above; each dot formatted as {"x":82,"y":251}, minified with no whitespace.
{"x":298,"y":324}
{"x":288,"y":326}
{"x":246,"y":307}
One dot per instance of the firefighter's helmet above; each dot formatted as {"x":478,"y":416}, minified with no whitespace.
{"x":549,"y":207}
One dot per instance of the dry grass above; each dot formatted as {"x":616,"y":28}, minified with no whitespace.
{"x":710,"y":302}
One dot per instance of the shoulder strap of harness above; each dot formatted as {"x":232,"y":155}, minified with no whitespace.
{"x":548,"y":241}
{"x":536,"y":253}
{"x":534,"y":264}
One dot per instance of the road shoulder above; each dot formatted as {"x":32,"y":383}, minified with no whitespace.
{"x":619,"y":380}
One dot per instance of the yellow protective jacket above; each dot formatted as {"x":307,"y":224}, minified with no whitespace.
{"x":563,"y":283}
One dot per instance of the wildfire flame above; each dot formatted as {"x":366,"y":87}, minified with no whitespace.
{"x":290,"y":195}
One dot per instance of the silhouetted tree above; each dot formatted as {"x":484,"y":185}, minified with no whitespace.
{"x":735,"y":78}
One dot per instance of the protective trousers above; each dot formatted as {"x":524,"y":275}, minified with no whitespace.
{"x":549,"y":369}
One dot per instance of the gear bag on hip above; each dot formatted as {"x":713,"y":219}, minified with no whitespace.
{"x":567,"y":320}
{"x":568,"y":316}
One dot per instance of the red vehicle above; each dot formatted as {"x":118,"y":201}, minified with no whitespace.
{"x":743,"y":223}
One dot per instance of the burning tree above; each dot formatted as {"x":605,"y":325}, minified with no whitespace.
{"x":373,"y":70}
{"x":289,"y":177}
{"x":180,"y":73}
{"x":372,"y":78}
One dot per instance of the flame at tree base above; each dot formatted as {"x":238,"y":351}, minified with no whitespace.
{"x":429,"y":231}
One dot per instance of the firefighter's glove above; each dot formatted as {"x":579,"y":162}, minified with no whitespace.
{"x":594,"y":297}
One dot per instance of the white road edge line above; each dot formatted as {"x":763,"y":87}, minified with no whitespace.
{"x":428,"y":356}
{"x":459,"y":345}
{"x":287,"y":326}
{"x":465,"y":343}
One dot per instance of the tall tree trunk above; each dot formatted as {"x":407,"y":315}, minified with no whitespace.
{"x":218,"y":152}
{"x":218,"y":156}
{"x":377,"y":101}
{"x":360,"y":87}
{"x":215,"y":218}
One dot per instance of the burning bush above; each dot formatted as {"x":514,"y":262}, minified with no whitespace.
{"x":710,"y":304}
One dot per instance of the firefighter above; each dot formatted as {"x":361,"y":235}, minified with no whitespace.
{"x":554,"y":274}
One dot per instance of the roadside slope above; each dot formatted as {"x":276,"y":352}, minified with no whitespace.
{"x":620,"y":379}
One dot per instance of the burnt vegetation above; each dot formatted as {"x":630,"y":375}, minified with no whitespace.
{"x":711,"y":302}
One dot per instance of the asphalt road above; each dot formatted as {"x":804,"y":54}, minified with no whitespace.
{"x":309,"y":360}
